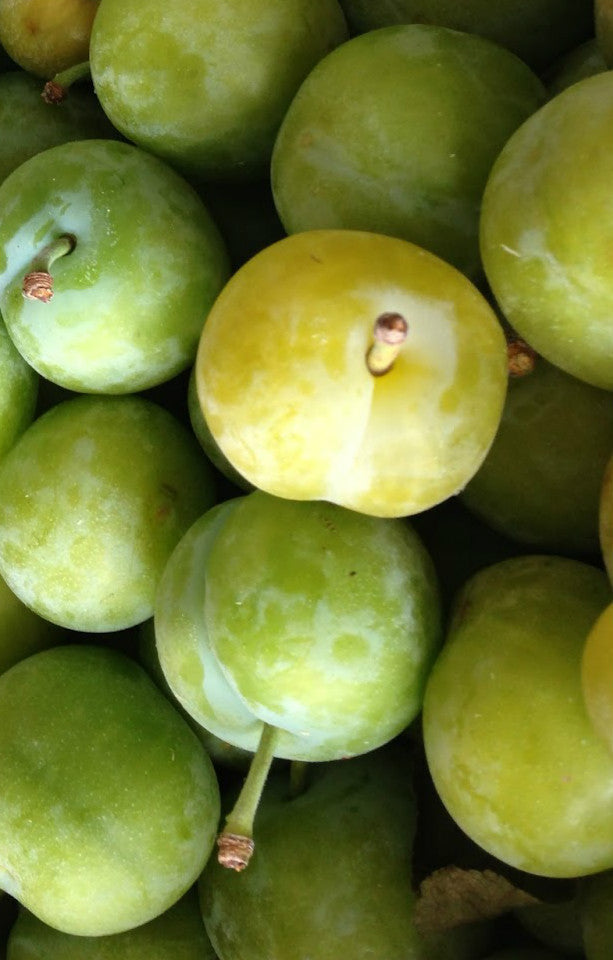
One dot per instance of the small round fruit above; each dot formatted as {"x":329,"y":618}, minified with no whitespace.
{"x":290,"y":389}
{"x":597,"y":675}
{"x":94,"y":497}
{"x":46,"y":36}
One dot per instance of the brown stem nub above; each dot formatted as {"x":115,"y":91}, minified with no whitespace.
{"x":521,"y":357}
{"x":56,"y":89}
{"x":38,"y":282}
{"x":234,"y":851}
{"x":54,"y":92}
{"x":390,"y":332}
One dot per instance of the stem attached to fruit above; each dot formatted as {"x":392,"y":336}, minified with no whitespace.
{"x":521,"y":357}
{"x":235,"y":844}
{"x":38,"y":282}
{"x":56,"y":89}
{"x":390,"y":332}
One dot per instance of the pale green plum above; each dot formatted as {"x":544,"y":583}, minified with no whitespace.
{"x":18,"y":392}
{"x":395,"y":131}
{"x":177,"y":934}
{"x":205,"y":83}
{"x":29,"y":125}
{"x":128,"y":302}
{"x":310,"y":618}
{"x":541,"y":480}
{"x":286,"y":387}
{"x":509,"y":744}
{"x":94,"y":496}
{"x":207,"y":441}
{"x":538,"y":31}
{"x":547,"y":230}
{"x":332,"y":873}
{"x":110,"y":804}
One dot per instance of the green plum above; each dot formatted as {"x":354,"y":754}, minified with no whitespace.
{"x":332,"y":873}
{"x":22,"y":632}
{"x":45,"y":36}
{"x":541,"y":479}
{"x":603,"y":10}
{"x":347,"y":154}
{"x":538,"y":31}
{"x":18,"y":392}
{"x":94,"y":496}
{"x":547,"y":230}
{"x":29,"y":125}
{"x":109,"y":804}
{"x":119,"y":261}
{"x":304,"y":616}
{"x":205,"y":83}
{"x":509,"y":744}
{"x":177,"y":934}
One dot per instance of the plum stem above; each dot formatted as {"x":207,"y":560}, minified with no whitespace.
{"x":390,"y":332}
{"x":56,"y":89}
{"x":235,"y":843}
{"x":521,"y":357}
{"x":38,"y":282}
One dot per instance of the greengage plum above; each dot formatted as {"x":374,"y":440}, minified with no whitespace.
{"x":332,"y":873}
{"x":289,"y":384}
{"x":304,"y":616}
{"x":547,"y":230}
{"x":509,"y":744}
{"x":584,"y":61}
{"x":109,"y":263}
{"x":28,"y":125}
{"x":94,"y":496}
{"x":177,"y":934}
{"x":109,"y":804}
{"x":18,"y":392}
{"x":395,"y":132}
{"x":541,"y":480}
{"x":538,"y":31}
{"x":205,"y":83}
{"x":597,"y":675}
{"x":45,"y":36}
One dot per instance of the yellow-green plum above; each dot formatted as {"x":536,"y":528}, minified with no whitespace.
{"x":597,"y":675}
{"x":547,"y":230}
{"x":109,"y":262}
{"x":22,"y":632}
{"x":205,"y":83}
{"x":312,"y":619}
{"x":508,"y":740}
{"x":45,"y":36}
{"x":177,"y":934}
{"x":294,"y":380}
{"x":110,"y":803}
{"x":94,"y":496}
{"x":347,"y":154}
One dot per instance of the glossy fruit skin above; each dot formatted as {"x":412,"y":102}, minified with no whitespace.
{"x":130,"y":300}
{"x":347,"y":154}
{"x":287,"y":394}
{"x":46,"y":36}
{"x":317,"y":620}
{"x":510,"y":747}
{"x":124,"y":818}
{"x":178,"y":933}
{"x":331,"y":874}
{"x":205,"y":84}
{"x":538,"y":31}
{"x":93,"y":498}
{"x":547,"y":230}
{"x":541,"y":480}
{"x":29,"y":125}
